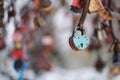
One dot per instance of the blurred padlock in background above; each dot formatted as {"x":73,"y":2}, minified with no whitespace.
{"x":34,"y":39}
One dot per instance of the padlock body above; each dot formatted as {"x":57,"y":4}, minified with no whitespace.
{"x":72,"y":44}
{"x":95,"y":6}
{"x":105,"y":14}
{"x":77,"y":6}
{"x":81,"y":41}
{"x":20,"y":65}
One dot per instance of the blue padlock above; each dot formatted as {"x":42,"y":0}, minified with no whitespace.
{"x":20,"y":66}
{"x":80,"y":40}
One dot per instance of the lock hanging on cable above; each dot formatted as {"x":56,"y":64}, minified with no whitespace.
{"x":105,"y":14}
{"x":79,"y":41}
{"x":77,"y":6}
{"x":95,"y":6}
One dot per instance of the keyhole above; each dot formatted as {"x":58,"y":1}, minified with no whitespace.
{"x":81,"y":44}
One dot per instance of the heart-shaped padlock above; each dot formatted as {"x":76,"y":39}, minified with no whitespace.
{"x":80,"y":40}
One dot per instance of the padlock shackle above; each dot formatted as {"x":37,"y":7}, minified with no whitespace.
{"x":78,"y":29}
{"x":84,"y":14}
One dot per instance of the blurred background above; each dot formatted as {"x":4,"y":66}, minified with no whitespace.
{"x":39,"y":36}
